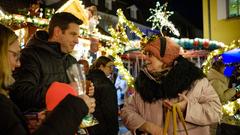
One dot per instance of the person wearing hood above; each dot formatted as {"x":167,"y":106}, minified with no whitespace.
{"x":168,"y":79}
{"x":45,"y":60}
{"x":220,"y":82}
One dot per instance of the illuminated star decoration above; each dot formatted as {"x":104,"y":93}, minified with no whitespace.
{"x":159,"y":19}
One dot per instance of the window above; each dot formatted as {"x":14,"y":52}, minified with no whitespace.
{"x":233,"y":8}
{"x":95,"y":2}
{"x":108,"y":4}
{"x":133,"y":11}
{"x":133,"y":14}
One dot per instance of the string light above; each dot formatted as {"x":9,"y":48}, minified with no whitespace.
{"x":122,"y":19}
{"x":230,"y":110}
{"x":119,"y":42}
{"x":231,"y":107}
{"x":159,"y":19}
{"x":16,"y":19}
{"x":208,"y":62}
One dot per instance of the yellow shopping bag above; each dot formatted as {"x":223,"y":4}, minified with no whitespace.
{"x":174,"y":112}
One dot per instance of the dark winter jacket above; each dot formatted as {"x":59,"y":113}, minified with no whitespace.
{"x":106,"y":111}
{"x":64,"y":120}
{"x":42,"y":63}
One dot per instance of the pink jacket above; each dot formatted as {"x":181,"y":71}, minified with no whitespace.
{"x":203,"y":109}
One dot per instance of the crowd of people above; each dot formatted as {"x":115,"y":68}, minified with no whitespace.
{"x":166,"y":80}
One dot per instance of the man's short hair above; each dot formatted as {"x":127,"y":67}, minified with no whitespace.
{"x":62,"y":20}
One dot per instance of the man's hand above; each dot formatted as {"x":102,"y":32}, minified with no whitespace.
{"x":89,"y":87}
{"x":74,"y":85}
{"x":90,"y":103}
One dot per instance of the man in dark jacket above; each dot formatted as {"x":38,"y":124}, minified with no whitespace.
{"x":45,"y":60}
{"x":64,"y":119}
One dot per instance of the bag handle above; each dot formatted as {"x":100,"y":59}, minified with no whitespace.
{"x":174,"y":112}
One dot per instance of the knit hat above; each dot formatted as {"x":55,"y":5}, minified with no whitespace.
{"x":56,"y":93}
{"x":164,"y":48}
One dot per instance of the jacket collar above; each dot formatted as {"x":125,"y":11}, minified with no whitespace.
{"x":40,"y":40}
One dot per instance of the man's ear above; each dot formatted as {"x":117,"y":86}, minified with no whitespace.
{"x":101,"y":67}
{"x":57,"y":31}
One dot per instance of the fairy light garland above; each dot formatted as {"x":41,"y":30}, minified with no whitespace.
{"x":16,"y":19}
{"x":229,"y":111}
{"x":118,"y":44}
{"x":123,"y":71}
{"x":113,"y":50}
{"x":120,"y":34}
{"x":122,"y":19}
{"x":208,"y":62}
{"x":120,"y":40}
{"x":231,"y":108}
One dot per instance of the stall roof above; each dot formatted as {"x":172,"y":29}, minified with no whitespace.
{"x":77,"y":8}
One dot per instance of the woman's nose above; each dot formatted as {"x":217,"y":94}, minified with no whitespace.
{"x":18,"y":63}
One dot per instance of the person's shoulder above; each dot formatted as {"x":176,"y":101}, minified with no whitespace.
{"x":200,"y":83}
{"x":5,"y":103}
{"x":72,"y":58}
{"x":203,"y":81}
{"x":3,"y":98}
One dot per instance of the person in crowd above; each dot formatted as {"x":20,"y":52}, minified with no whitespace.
{"x":106,"y":98}
{"x":168,"y":79}
{"x":63,"y":120}
{"x":121,"y":86}
{"x":220,"y":82}
{"x":85,"y":65}
{"x":45,"y":60}
{"x":221,"y":85}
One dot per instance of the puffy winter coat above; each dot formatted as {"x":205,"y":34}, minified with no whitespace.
{"x":106,"y":110}
{"x":42,"y":63}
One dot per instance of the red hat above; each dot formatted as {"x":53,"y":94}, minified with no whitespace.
{"x":164,"y":48}
{"x":56,"y":93}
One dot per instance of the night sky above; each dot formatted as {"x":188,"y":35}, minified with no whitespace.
{"x":189,"y":9}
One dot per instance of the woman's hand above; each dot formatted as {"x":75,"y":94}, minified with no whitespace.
{"x":151,"y":128}
{"x":182,"y":103}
